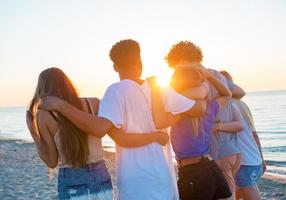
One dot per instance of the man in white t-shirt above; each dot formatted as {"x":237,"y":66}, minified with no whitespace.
{"x":145,"y":172}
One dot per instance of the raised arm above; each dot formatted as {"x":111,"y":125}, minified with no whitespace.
{"x":225,"y":94}
{"x":133,"y":140}
{"x":200,"y":92}
{"x":88,"y":123}
{"x":161,"y":118}
{"x":164,"y":119}
{"x":237,"y":91}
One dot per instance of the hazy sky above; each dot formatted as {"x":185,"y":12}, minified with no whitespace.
{"x":245,"y":37}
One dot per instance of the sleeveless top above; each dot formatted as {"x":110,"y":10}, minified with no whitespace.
{"x":94,"y":144}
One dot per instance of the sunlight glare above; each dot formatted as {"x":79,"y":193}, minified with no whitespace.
{"x":164,"y":77}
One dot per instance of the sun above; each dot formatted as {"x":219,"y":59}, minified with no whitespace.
{"x":164,"y":77}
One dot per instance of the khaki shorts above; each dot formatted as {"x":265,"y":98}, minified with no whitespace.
{"x":229,"y":166}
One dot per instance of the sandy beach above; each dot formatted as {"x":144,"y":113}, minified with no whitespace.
{"x":24,"y":176}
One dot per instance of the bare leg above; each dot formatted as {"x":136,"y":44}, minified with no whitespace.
{"x":250,"y":193}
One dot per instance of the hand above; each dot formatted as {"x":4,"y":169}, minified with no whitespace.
{"x":162,"y":138}
{"x":264,"y":167}
{"x":204,"y":72}
{"x":215,"y":128}
{"x":50,"y":103}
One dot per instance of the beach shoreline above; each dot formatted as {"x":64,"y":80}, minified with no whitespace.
{"x":24,"y":176}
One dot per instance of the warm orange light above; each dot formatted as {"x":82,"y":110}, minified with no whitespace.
{"x":163,"y":79}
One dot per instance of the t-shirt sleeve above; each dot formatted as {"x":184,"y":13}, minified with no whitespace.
{"x":175,"y":102}
{"x":230,"y":84}
{"x":111,"y":107}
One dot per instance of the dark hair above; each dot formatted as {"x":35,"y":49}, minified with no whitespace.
{"x":54,"y":82}
{"x":125,"y":54}
{"x":184,"y":51}
{"x":184,"y":78}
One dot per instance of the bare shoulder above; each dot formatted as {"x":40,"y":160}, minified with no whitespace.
{"x":46,"y":121}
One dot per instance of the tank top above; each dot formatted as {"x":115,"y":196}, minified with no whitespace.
{"x":94,"y":144}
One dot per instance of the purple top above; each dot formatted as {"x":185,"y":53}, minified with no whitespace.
{"x":184,"y":142}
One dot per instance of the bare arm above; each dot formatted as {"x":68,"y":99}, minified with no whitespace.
{"x":133,"y":140}
{"x":200,"y":92}
{"x":165,"y":119}
{"x":38,"y":140}
{"x":161,"y":117}
{"x":237,"y":92}
{"x":230,"y":127}
{"x":43,"y":139}
{"x":198,"y":110}
{"x":234,"y":126}
{"x":257,"y":140}
{"x":225,"y":94}
{"x":88,"y":123}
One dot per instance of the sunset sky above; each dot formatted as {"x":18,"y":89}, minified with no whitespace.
{"x":245,"y":37}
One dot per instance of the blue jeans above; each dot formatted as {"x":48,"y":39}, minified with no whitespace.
{"x":91,"y":181}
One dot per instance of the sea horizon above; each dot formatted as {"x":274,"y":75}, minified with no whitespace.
{"x":268,"y":108}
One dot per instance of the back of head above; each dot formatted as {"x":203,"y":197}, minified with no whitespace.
{"x":184,"y":51}
{"x":125,"y":56}
{"x":54,"y":82}
{"x":227,"y":75}
{"x":184,"y":78}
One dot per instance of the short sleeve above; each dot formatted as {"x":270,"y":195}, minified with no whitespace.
{"x":111,"y":107}
{"x":175,"y":102}
{"x":230,"y":84}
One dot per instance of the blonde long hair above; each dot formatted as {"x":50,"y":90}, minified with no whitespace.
{"x":54,"y":82}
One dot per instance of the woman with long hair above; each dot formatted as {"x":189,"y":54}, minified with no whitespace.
{"x":79,"y":155}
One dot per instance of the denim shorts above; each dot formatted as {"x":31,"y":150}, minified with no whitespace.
{"x":91,"y":181}
{"x":248,"y":175}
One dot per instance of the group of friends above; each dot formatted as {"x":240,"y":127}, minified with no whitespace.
{"x":200,"y":117}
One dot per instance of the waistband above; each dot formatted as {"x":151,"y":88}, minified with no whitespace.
{"x":194,"y":160}
{"x":90,"y":167}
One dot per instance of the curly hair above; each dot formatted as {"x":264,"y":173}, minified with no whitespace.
{"x":125,"y":53}
{"x":184,"y":51}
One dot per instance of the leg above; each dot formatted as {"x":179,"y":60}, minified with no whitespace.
{"x":246,"y":179}
{"x":229,"y":166}
{"x":250,"y":193}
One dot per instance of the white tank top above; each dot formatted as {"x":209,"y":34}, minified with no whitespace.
{"x":94,"y":146}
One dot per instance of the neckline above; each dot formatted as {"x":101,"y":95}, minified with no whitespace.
{"x":129,"y":80}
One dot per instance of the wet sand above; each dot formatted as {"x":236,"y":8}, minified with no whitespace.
{"x":24,"y":176}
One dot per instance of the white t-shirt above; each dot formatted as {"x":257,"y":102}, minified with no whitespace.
{"x":145,"y":172}
{"x":250,"y":154}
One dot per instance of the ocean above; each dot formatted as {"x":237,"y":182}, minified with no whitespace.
{"x":268,"y":108}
